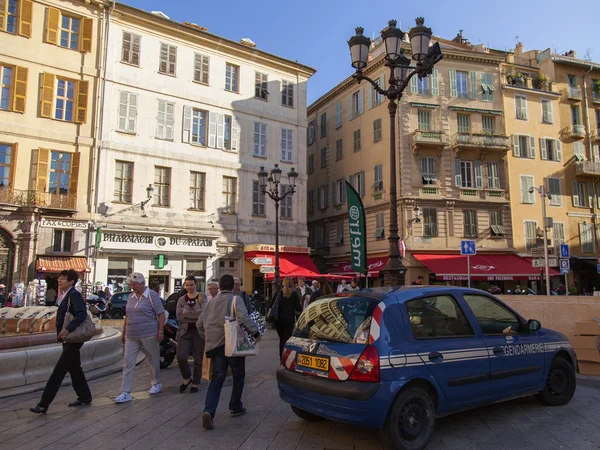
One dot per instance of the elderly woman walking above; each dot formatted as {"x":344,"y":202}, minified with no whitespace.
{"x":142,"y":330}
{"x":189,"y":308}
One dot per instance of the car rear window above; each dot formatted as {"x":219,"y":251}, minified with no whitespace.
{"x":337,"y":319}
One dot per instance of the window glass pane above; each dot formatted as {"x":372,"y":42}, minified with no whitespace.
{"x":492,"y":317}
{"x":438,"y":316}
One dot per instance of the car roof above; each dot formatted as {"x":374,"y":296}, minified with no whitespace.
{"x":406,"y":293}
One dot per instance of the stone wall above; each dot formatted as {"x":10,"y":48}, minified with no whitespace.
{"x":556,"y":312}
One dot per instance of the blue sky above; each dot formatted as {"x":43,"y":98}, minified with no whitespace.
{"x":315,"y":32}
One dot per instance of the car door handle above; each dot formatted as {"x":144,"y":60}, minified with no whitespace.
{"x":435,"y":356}
{"x":498,"y":351}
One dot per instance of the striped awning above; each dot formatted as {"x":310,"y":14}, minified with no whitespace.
{"x":59,"y":263}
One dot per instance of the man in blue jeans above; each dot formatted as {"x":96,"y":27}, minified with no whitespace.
{"x":210,"y":326}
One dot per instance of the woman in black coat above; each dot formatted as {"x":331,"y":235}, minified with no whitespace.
{"x":289,"y":307}
{"x":70,"y":358}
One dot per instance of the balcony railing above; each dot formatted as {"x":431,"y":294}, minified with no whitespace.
{"x":578,"y":131}
{"x":587,"y":168}
{"x":421,"y":137}
{"x":495,"y":194}
{"x":482,"y":140}
{"x":574,"y":93}
{"x":38,"y":199}
{"x":429,"y":190}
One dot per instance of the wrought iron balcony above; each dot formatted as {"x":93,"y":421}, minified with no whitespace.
{"x":578,"y":131}
{"x":574,"y":93}
{"x":38,"y":199}
{"x":587,"y":168}
{"x":482,"y":140}
{"x":429,"y":138}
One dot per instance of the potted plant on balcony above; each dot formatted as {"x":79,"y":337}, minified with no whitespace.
{"x":511,"y":74}
{"x":541,"y":81}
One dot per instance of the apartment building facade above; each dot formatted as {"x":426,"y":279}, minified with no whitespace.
{"x":453,"y":173}
{"x":194,"y":116}
{"x":49,"y":67}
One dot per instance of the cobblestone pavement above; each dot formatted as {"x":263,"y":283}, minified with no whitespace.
{"x":172,"y":420}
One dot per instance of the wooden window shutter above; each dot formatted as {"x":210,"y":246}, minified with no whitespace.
{"x":434,"y":83}
{"x":516,"y":148}
{"x":47,"y":95}
{"x":20,"y":89}
{"x":52,"y":22}
{"x":74,"y":175}
{"x":85,"y":45}
{"x":452,"y":76}
{"x":187,"y":124}
{"x":2,"y":15}
{"x":82,"y":99}
{"x":473,"y":85}
{"x":13,"y":165}
{"x":41,"y":173}
{"x":25,"y":18}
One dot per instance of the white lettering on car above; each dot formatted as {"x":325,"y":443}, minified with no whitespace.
{"x":523,"y":349}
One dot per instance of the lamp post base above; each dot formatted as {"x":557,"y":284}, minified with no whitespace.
{"x":394,"y":276}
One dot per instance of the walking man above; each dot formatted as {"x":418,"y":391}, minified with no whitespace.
{"x":210,"y":326}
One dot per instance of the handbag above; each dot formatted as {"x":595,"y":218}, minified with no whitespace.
{"x":236,"y":340}
{"x":273,"y":313}
{"x":83,"y":333}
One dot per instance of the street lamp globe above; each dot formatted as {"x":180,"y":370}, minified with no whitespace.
{"x":359,"y":49}
{"x":392,"y":37}
{"x":400,"y":73}
{"x":419,"y":40}
{"x":276,"y":174}
{"x":262,"y":177}
{"x":293,"y":177}
{"x":150,"y":191}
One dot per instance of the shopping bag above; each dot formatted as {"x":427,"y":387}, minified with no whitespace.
{"x":236,"y":340}
{"x":206,"y":368}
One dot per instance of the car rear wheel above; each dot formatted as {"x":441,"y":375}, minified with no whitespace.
{"x":560,"y":384}
{"x":117,"y":314}
{"x":411,"y":420}
{"x":309,"y":417}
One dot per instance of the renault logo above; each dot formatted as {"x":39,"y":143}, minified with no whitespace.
{"x":312,"y":347}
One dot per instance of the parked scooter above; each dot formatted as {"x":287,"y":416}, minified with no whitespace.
{"x":97,"y":306}
{"x":168,"y":346}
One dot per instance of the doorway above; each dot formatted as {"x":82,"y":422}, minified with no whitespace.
{"x":7,"y":252}
{"x":162,"y":280}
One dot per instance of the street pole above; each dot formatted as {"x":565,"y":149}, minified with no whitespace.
{"x":468,"y":270}
{"x":544,"y":218}
{"x":276,"y":277}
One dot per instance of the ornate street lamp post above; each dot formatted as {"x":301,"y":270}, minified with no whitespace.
{"x":274,"y":180}
{"x":400,"y":74}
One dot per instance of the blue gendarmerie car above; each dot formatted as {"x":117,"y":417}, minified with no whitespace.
{"x":397,"y":358}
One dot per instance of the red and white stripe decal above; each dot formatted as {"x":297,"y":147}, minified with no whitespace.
{"x":289,"y":359}
{"x":376,"y":323}
{"x":340,"y":368}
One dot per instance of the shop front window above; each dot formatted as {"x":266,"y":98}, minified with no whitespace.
{"x":198,"y":270}
{"x":118,"y":270}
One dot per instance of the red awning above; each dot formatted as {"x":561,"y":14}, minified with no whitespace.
{"x":483,"y":267}
{"x":292,"y":265}
{"x":374,"y":265}
{"x":60,"y":263}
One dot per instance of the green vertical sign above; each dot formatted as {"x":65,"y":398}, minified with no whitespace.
{"x":358,"y":230}
{"x":98,"y":237}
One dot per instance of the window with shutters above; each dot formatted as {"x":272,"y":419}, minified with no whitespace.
{"x":470,"y":223}
{"x":338,"y":114}
{"x":430,"y":228}
{"x":287,"y":139}
{"x":423,"y":86}
{"x":466,"y":173}
{"x":323,"y":199}
{"x":376,"y":96}
{"x":311,"y":164}
{"x":493,"y":174}
{"x":339,"y":193}
{"x":357,"y":140}
{"x":489,"y":124}
{"x":69,"y":32}
{"x":579,"y":151}
{"x":487,"y":87}
{"x":428,"y":176}
{"x":575,"y":115}
{"x":552,"y":149}
{"x":376,"y":130}
{"x":323,"y":124}
{"x":357,"y":106}
{"x":7,"y":165}
{"x":227,"y":126}
{"x":497,"y":223}
{"x":123,"y":181}
{"x":522,"y":146}
{"x":311,"y":133}
{"x":464,"y":123}
{"x":201,"y":68}
{"x":558,"y":233}
{"x":339,"y":150}
{"x":168,"y":59}
{"x":165,"y":120}
{"x":547,"y":112}
{"x":287,"y":93}
{"x":530,"y":234}
{"x":258,"y":199}
{"x":162,"y":186}
{"x":9,"y":16}
{"x":358,"y":182}
{"x":339,"y":232}
{"x":323,"y":240}
{"x":586,"y":236}
{"x":260,"y":140}
{"x":579,"y":198}
{"x":526,"y":196}
{"x":199,"y":128}
{"x":229,"y":195}
{"x":286,"y":205}
{"x":424,"y":120}
{"x":378,"y":176}
{"x":311,"y":202}
{"x":462,"y":84}
{"x":64,"y":100}
{"x":60,"y":173}
{"x":261,"y":81}
{"x":63,"y":241}
{"x":379,"y":226}
{"x":130,"y":51}
{"x":6,"y":87}
{"x":598,"y":122}
{"x":232,"y":77}
{"x":324,"y":157}
{"x":521,"y":107}
{"x":197,"y":190}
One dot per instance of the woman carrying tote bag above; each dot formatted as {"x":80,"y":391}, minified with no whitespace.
{"x":70,"y":358}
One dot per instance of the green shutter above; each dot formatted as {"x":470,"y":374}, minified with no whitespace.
{"x":575,"y":194}
{"x":333,"y":190}
{"x":370,"y":93}
{"x":543,"y":149}
{"x":434,"y":83}
{"x":473,"y":84}
{"x":516,"y":149}
{"x":350,"y":117}
{"x":558,"y":150}
{"x":452,"y":74}
{"x":413,"y":85}
{"x":362,"y":183}
{"x":478,"y":178}
{"x":457,"y":175}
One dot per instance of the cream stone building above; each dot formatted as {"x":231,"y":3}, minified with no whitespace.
{"x":49,"y":62}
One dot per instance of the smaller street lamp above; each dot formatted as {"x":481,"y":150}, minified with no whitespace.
{"x":149,"y":195}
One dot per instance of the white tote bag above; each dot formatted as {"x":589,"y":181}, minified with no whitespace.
{"x":236,"y":341}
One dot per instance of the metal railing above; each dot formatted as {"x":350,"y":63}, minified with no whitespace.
{"x":574,"y":93}
{"x":587,"y":168}
{"x":482,"y":140}
{"x":429,"y":137}
{"x":38,"y":199}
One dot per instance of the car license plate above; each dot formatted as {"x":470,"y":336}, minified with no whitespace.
{"x":314,"y":362}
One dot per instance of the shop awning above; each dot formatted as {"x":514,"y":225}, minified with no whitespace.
{"x":483,"y":267}
{"x":59,"y":263}
{"x":295,"y":265}
{"x":374,"y":265}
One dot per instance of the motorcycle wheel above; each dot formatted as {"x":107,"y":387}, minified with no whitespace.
{"x":167,"y":354}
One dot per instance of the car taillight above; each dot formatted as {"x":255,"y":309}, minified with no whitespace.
{"x":367,"y":366}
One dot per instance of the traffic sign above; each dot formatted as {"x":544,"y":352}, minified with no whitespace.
{"x":565,"y":264}
{"x":564,"y":251}
{"x":468,"y":248}
{"x":267,"y":269}
{"x":539,"y":262}
{"x":262,"y":260}
{"x":539,"y":252}
{"x":565,"y":271}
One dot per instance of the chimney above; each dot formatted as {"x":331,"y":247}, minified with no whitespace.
{"x":571,"y":54}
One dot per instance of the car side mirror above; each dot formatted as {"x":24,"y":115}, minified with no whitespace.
{"x":534,"y":325}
